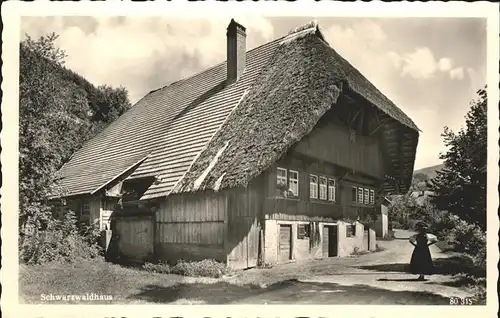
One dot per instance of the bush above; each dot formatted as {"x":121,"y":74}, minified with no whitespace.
{"x":465,"y":237}
{"x":442,"y":223}
{"x":161,"y":267}
{"x":205,"y":268}
{"x":60,"y":241}
{"x":470,"y":239}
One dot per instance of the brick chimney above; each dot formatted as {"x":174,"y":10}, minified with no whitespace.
{"x":236,"y":50}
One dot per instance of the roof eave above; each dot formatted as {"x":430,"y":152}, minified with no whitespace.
{"x":120,"y":174}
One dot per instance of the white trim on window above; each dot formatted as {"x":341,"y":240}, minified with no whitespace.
{"x":331,"y":190}
{"x":313,"y":186}
{"x":281,"y":176}
{"x":323,"y":194}
{"x":360,"y":195}
{"x":367,"y":196}
{"x":372,"y":197}
{"x":293,"y":182}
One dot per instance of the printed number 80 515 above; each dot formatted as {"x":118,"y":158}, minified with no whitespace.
{"x":461,"y":301}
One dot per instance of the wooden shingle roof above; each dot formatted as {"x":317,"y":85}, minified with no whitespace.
{"x":170,"y":126}
{"x":175,"y":133}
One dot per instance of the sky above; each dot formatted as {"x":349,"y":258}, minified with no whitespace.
{"x":430,"y":67}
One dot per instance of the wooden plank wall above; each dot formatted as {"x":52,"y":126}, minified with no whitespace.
{"x":245,"y":210}
{"x":331,"y":142}
{"x":191,"y":227}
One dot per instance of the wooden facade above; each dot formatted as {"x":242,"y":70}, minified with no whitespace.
{"x":263,"y":221}
{"x":225,"y":226}
{"x":329,"y":151}
{"x":239,"y":226}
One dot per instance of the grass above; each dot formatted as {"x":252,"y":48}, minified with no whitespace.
{"x":204,"y":268}
{"x":445,"y":246}
{"x":97,"y":277}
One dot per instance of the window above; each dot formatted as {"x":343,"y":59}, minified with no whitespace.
{"x":354,"y":194}
{"x":85,"y":207}
{"x":281,"y":177}
{"x":331,"y":189}
{"x":360,"y":195}
{"x":350,"y":230}
{"x":367,"y":196}
{"x":372,"y":197}
{"x":322,"y":188}
{"x":313,"y":186}
{"x":303,"y":231}
{"x":294,"y":182}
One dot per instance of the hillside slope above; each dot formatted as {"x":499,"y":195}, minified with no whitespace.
{"x":430,"y":172}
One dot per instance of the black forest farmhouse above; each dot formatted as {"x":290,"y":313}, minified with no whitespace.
{"x":270,"y":156}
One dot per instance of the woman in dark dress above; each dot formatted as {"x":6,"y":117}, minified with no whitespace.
{"x":421,"y":260}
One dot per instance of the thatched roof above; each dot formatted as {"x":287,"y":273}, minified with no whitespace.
{"x":302,"y":81}
{"x":204,"y":133}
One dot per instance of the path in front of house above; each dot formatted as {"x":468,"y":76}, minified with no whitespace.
{"x":375,"y":278}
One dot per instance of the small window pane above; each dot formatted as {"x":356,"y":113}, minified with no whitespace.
{"x":303,"y":231}
{"x":372,"y":197}
{"x":349,"y":230}
{"x":294,"y":182}
{"x":360,"y":195}
{"x":354,"y":194}
{"x":85,"y":207}
{"x":313,"y":186}
{"x":281,"y":177}
{"x":331,"y":189}
{"x":322,"y":188}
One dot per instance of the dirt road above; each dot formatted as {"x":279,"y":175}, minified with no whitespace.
{"x":376,"y":278}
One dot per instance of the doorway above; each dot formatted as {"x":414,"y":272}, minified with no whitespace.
{"x":330,"y":240}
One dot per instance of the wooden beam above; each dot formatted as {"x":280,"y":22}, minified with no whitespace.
{"x":361,"y":120}
{"x":380,"y":124}
{"x":400,"y":163}
{"x":354,"y":118}
{"x":343,"y":177}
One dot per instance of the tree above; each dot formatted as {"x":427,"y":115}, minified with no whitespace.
{"x":419,"y":182}
{"x":58,"y":111}
{"x":45,"y":46}
{"x":460,"y":187}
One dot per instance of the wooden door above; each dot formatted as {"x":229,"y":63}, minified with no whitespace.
{"x":253,"y":242}
{"x":330,"y":241}
{"x":333,"y":241}
{"x":135,"y":237}
{"x":326,"y":241}
{"x":243,"y":239}
{"x":285,"y":243}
